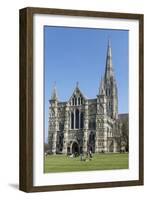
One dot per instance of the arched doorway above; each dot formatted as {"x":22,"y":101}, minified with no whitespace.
{"x":75,"y":148}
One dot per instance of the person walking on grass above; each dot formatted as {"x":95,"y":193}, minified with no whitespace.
{"x":89,"y":152}
{"x":81,"y":154}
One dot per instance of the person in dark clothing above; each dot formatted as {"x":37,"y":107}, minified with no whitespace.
{"x":81,"y":154}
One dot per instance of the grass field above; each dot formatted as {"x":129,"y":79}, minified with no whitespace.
{"x":62,"y":163}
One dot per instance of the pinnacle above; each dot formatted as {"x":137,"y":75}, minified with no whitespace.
{"x":54,"y":93}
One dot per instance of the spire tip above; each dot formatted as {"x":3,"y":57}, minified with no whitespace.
{"x":109,"y":42}
{"x":54,"y":93}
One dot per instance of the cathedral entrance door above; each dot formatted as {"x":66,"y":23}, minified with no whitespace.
{"x":75,"y":148}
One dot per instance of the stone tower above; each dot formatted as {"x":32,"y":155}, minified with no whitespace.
{"x":53,"y":121}
{"x":108,"y":86}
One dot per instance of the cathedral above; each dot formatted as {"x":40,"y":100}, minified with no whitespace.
{"x":83,"y":124}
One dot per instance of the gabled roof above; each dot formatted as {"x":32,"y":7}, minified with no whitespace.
{"x":77,"y":92}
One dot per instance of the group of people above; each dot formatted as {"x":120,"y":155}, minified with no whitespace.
{"x":83,"y":156}
{"x":86,"y":157}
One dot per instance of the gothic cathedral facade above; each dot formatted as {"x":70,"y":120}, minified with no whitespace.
{"x":81,"y":124}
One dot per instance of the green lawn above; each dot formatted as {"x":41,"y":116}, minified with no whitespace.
{"x":62,"y":163}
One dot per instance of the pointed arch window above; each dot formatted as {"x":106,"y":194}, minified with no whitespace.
{"x":82,"y":120}
{"x":79,"y":102}
{"x":75,"y":101}
{"x":77,"y":119}
{"x":72,"y":120}
{"x":72,"y":101}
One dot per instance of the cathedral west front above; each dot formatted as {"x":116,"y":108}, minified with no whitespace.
{"x":81,"y":124}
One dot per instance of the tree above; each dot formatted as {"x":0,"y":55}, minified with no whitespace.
{"x":125,"y":130}
{"x":125,"y":134}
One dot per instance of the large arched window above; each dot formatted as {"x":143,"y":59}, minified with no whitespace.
{"x":72,"y":120}
{"x":79,"y":102}
{"x":82,"y":120}
{"x":77,"y":119}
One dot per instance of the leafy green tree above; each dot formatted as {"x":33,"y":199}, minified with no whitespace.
{"x":125,"y":132}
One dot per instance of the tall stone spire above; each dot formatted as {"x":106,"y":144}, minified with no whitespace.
{"x":109,"y":66}
{"x":54,"y":95}
{"x":108,"y":86}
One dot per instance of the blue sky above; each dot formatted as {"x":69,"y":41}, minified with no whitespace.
{"x":79,"y":54}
